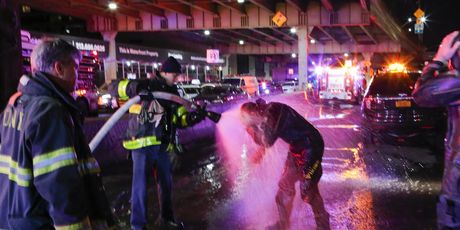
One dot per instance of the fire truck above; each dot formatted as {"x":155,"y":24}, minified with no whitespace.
{"x":339,"y":84}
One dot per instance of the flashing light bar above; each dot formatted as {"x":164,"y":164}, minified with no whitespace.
{"x":396,"y":67}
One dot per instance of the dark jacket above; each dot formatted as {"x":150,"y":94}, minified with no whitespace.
{"x":48,"y":177}
{"x":439,"y":87}
{"x":143,"y":129}
{"x":305,"y":142}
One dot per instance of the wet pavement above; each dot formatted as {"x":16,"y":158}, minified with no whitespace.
{"x":365,"y":184}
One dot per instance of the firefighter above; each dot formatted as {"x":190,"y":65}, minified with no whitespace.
{"x":151,"y":137}
{"x":439,"y":86}
{"x":265,"y":123}
{"x":48,"y":177}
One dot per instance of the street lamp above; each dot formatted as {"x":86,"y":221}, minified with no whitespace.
{"x":423,"y":19}
{"x":112,"y":5}
{"x":207,"y":32}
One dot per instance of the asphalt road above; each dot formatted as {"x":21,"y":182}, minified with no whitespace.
{"x":382,"y":184}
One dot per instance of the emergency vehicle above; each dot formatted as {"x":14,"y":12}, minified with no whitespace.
{"x":343,"y":83}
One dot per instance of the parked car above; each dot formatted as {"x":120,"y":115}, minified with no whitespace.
{"x":290,"y":86}
{"x":106,"y":102}
{"x":269,"y":88}
{"x":188,"y":91}
{"x":389,"y":108}
{"x":86,"y":97}
{"x":219,"y":93}
{"x":248,"y":84}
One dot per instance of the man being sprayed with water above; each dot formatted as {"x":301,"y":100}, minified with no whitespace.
{"x":265,"y":123}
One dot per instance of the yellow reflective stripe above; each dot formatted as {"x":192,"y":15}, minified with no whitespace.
{"x":184,"y":120}
{"x":141,"y":142}
{"x":4,"y":158}
{"x":20,"y":170}
{"x":4,"y":170}
{"x":19,"y":181}
{"x":82,"y":225}
{"x":181,"y":111}
{"x":89,"y":166}
{"x":50,"y":168}
{"x":136,"y":109}
{"x":52,"y":154}
{"x":174,"y":119}
{"x":122,"y":89}
{"x":9,"y":167}
{"x":170,"y":148}
{"x":51,"y":161}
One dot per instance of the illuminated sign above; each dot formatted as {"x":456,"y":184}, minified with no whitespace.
{"x":137,"y":51}
{"x":86,"y":46}
{"x":212,"y":56}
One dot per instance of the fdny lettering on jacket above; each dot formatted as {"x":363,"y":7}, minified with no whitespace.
{"x":13,"y":119}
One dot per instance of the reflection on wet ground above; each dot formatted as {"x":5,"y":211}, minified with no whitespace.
{"x":364,"y":186}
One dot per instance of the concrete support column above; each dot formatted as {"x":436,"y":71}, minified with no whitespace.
{"x":10,"y":49}
{"x":303,"y":44}
{"x":367,"y":63}
{"x":267,"y":70}
{"x":110,"y":63}
{"x":232,"y":65}
{"x":226,"y":68}
{"x":252,"y":65}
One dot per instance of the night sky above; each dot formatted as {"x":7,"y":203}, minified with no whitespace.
{"x":443,"y":17}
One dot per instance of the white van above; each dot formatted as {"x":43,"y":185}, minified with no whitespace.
{"x":290,"y":86}
{"x":188,"y":91}
{"x":248,"y":84}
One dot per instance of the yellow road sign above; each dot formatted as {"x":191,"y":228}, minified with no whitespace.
{"x":279,"y":19}
{"x":419,"y":13}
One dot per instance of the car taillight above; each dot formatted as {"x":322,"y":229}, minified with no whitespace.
{"x":80,"y":92}
{"x":374,"y":103}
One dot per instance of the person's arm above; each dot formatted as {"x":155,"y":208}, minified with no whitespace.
{"x":437,"y":87}
{"x":55,"y":166}
{"x":183,"y":119}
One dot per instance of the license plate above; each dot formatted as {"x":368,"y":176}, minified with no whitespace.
{"x":403,"y":104}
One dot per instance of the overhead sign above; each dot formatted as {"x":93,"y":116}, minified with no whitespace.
{"x":418,"y":28}
{"x":419,"y":13}
{"x":30,"y":39}
{"x":212,"y":56}
{"x":279,"y":19}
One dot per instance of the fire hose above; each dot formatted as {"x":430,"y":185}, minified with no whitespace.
{"x":157,"y":95}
